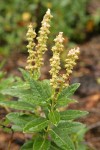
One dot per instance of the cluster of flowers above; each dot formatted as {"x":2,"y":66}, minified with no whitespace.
{"x":35,"y":59}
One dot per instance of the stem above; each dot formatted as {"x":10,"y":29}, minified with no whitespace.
{"x":7,"y":109}
{"x":11,"y":139}
{"x":54,"y":97}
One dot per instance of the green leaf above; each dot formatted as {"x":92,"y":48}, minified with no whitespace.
{"x":53,"y":146}
{"x":65,"y":101}
{"x":54,"y":117}
{"x":5,"y":83}
{"x":20,"y":121}
{"x":38,"y":94}
{"x":81,"y":133}
{"x":21,"y":118}
{"x":69,"y":91}
{"x":41,"y":90}
{"x":82,"y":146}
{"x":2,"y":97}
{"x":62,"y":140}
{"x":17,"y":105}
{"x":19,"y":89}
{"x":72,"y":114}
{"x":28,"y":145}
{"x":64,"y":95}
{"x":68,"y":127}
{"x":25,"y":74}
{"x":17,"y":128}
{"x":4,"y":123}
{"x":36,"y":125}
{"x":24,"y":93}
{"x":41,"y":144}
{"x":47,"y":89}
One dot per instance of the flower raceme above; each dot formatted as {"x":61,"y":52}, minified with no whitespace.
{"x":55,"y":60}
{"x":36,"y":52}
{"x":31,"y":44}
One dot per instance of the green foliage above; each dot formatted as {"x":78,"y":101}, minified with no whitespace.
{"x":37,"y":124}
{"x":41,"y":144}
{"x":15,"y":15}
{"x":20,"y":121}
{"x":28,"y":145}
{"x":64,"y":95}
{"x":54,"y":130}
{"x":71,"y":21}
{"x":72,"y":114}
{"x":4,"y":83}
{"x":68,"y":127}
{"x":18,"y":105}
{"x":54,"y":117}
{"x":63,"y":141}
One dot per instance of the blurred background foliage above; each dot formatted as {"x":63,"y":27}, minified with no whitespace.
{"x":70,"y":16}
